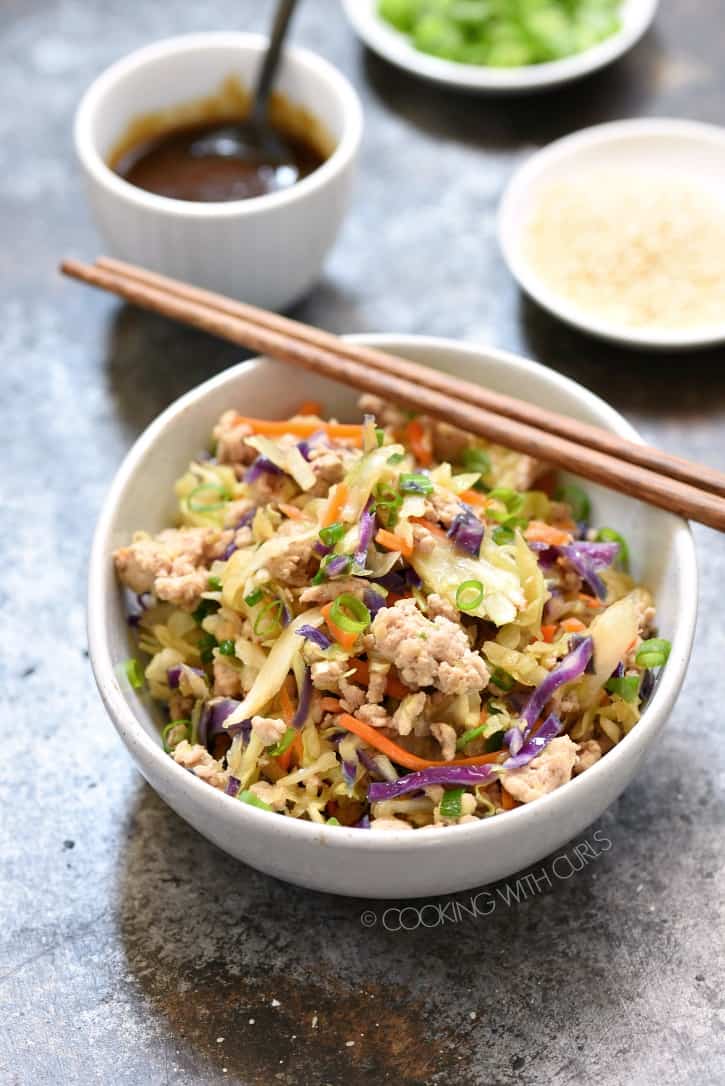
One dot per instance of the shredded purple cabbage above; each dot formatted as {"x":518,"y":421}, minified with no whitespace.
{"x":304,"y":447}
{"x":571,"y":667}
{"x":315,"y":636}
{"x":414,"y":782}
{"x":337,"y":566}
{"x":304,"y":704}
{"x":349,"y":773}
{"x":393,"y":581}
{"x":466,"y":531}
{"x":373,"y":600}
{"x":551,"y":727}
{"x":322,"y":549}
{"x":367,"y":529}
{"x":173,"y":674}
{"x":588,"y":559}
{"x":514,"y":740}
{"x":363,"y":824}
{"x":261,"y":466}
{"x":213,"y":715}
{"x":646,"y":686}
{"x":233,"y":786}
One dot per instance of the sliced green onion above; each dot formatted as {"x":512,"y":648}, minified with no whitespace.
{"x":653,"y":653}
{"x":207,"y":644}
{"x":414,"y":482}
{"x":576,"y":498}
{"x":284,"y":744}
{"x":474,"y":459}
{"x":494,"y":742}
{"x":627,"y":688}
{"x":387,"y":504}
{"x":508,"y":497}
{"x":249,"y":797}
{"x":333,"y":822}
{"x":269,"y":620}
{"x":254,"y":597}
{"x":468,"y":737}
{"x":185,"y":724}
{"x":217,"y":493}
{"x":134,"y":673}
{"x":502,"y":679}
{"x":451,"y":803}
{"x":350,"y":613}
{"x":396,"y":458}
{"x":226,"y":648}
{"x":214,"y":584}
{"x":608,"y":535}
{"x":206,"y":607}
{"x":505,"y":532}
{"x":469,"y":595}
{"x":332,"y":534}
{"x":379,"y":435}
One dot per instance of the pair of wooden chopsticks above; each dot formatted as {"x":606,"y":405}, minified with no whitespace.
{"x":640,"y":471}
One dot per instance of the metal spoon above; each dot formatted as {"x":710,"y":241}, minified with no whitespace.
{"x":254,"y":141}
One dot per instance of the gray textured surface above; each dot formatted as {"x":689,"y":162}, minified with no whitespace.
{"x":130,"y":950}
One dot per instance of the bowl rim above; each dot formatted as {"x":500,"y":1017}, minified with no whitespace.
{"x":522,"y":185}
{"x":554,"y":805}
{"x":182,"y":44}
{"x":394,"y":47}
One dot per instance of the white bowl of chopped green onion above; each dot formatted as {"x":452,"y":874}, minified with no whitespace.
{"x":494,"y":46}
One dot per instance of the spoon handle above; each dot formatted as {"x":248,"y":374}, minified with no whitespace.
{"x":283,"y":14}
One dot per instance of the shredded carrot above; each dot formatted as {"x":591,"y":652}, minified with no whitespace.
{"x":330,"y":705}
{"x":335,"y":502}
{"x":419,"y":442}
{"x":430,"y":526}
{"x":539,"y":532}
{"x":288,"y":712}
{"x":290,"y":511}
{"x":548,"y":633}
{"x":572,"y":625}
{"x":472,"y":497}
{"x":310,"y":407}
{"x":345,"y":638}
{"x":397,"y":754}
{"x":507,"y":801}
{"x":393,"y":542}
{"x":302,"y":428}
{"x":393,"y":685}
{"x":590,"y":601}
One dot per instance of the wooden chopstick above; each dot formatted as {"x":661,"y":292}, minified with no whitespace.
{"x":699,"y":475}
{"x":620,"y":475}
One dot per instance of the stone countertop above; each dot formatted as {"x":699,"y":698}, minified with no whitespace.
{"x":131,"y":951}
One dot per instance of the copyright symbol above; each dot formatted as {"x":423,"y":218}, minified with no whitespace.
{"x":368,"y":919}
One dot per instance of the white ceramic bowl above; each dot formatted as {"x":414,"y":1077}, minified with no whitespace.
{"x":684,"y":149}
{"x":384,"y":39}
{"x":267,"y":250}
{"x":396,"y":864}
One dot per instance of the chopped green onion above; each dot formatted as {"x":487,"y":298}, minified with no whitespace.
{"x":576,"y":498}
{"x":332,"y":534}
{"x":502,"y":679}
{"x":451,"y":803}
{"x":413,"y":482}
{"x":350,"y":613}
{"x":284,"y":744}
{"x":166,"y":732}
{"x":269,"y":619}
{"x":396,"y":458}
{"x":653,"y":653}
{"x":206,"y":607}
{"x":333,"y":822}
{"x":508,"y":497}
{"x":254,"y":597}
{"x":627,"y":688}
{"x":469,"y":595}
{"x":379,"y":435}
{"x":387,"y":504}
{"x":134,"y":673}
{"x":474,"y":459}
{"x":214,"y":584}
{"x":207,"y":643}
{"x":247,"y":796}
{"x":226,"y":648}
{"x":468,"y":737}
{"x":214,"y":491}
{"x":608,"y":535}
{"x":494,"y":742}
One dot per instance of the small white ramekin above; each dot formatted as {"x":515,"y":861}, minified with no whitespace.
{"x":267,"y":250}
